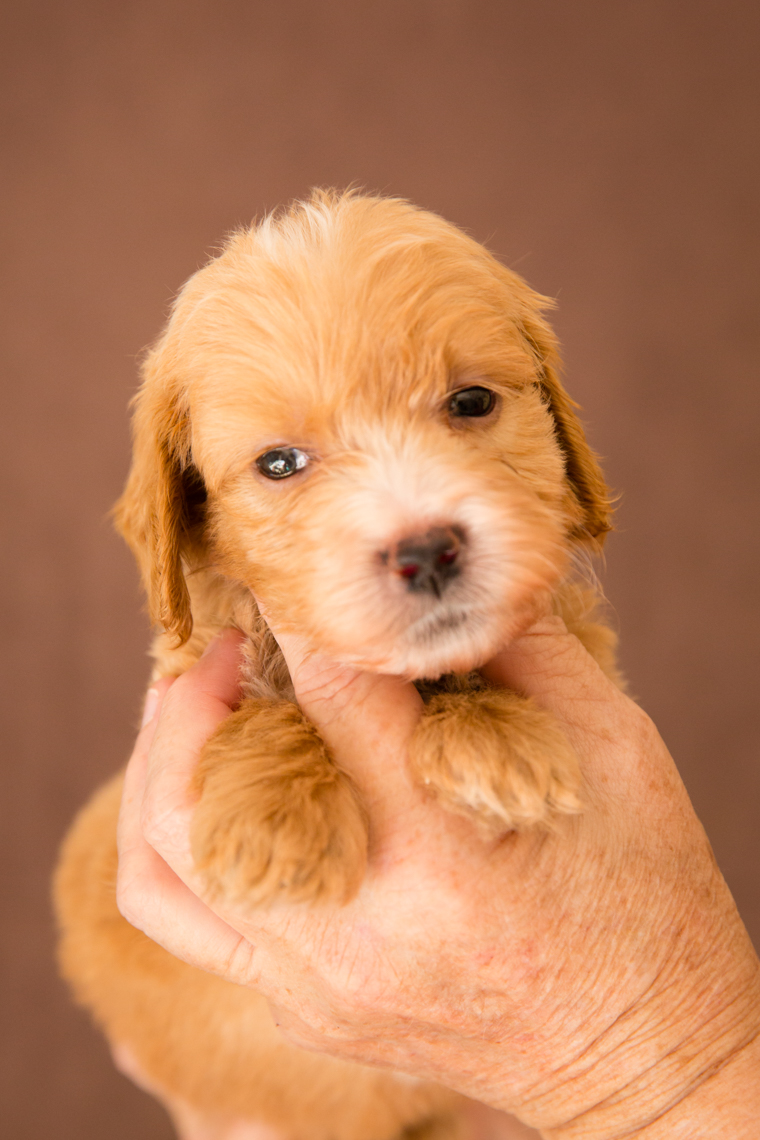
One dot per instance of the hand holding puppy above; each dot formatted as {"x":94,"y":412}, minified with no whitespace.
{"x":355,"y":414}
{"x":596,"y":980}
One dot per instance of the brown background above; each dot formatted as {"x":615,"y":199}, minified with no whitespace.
{"x":606,"y":150}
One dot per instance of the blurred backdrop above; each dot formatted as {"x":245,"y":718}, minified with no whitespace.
{"x":608,"y":151}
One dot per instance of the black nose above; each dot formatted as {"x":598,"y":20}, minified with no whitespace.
{"x":428,"y":562}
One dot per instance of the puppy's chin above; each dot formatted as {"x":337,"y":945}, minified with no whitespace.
{"x":451,"y":639}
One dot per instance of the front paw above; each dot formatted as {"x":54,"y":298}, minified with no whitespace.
{"x":276,"y":819}
{"x":495,"y":756}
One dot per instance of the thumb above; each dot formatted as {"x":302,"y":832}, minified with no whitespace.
{"x":625,"y":760}
{"x":549,"y":664}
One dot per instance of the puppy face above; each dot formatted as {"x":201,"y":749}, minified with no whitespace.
{"x":354,"y":412}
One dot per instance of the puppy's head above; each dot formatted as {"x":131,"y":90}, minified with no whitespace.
{"x":355,"y":412}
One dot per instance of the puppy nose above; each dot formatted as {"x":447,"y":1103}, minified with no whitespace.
{"x":428,"y":562}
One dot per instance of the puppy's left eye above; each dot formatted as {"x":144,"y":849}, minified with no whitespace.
{"x":471,"y":402}
{"x":282,"y":462}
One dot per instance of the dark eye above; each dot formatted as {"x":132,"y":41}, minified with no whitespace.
{"x":472,"y":402}
{"x":282,"y":462}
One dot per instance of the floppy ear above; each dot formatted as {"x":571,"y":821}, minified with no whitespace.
{"x":161,"y":511}
{"x":581,"y":465}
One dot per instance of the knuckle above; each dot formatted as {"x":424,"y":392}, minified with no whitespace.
{"x":326,"y":684}
{"x":240,"y":965}
{"x":308,"y":1030}
{"x":359,"y":992}
{"x":154,"y":825}
{"x":300,"y":1035}
{"x":161,"y":825}
{"x":130,"y":900}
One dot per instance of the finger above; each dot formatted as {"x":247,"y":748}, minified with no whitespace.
{"x":367,"y":719}
{"x":154,"y":699}
{"x":154,"y":899}
{"x":196,"y":704}
{"x":334,"y":692}
{"x":549,"y":664}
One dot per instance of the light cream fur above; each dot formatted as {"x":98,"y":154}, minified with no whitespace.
{"x":341,"y":327}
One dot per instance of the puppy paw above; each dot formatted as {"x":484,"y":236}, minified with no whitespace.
{"x":498,"y":757}
{"x":275,"y":818}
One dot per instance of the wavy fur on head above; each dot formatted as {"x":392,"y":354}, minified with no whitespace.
{"x":411,"y":538}
{"x":340,"y":325}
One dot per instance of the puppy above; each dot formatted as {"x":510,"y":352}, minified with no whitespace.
{"x":354,"y":416}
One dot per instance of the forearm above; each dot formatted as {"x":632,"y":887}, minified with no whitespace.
{"x":659,"y":1039}
{"x":724,"y":1101}
{"x":693,"y":1072}
{"x":727,"y":1104}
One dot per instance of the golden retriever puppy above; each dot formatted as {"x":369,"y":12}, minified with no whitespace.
{"x":353,"y":416}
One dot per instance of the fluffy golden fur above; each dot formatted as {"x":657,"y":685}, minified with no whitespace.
{"x":344,"y":328}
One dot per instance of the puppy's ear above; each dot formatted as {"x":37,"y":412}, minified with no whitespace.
{"x":162,"y":509}
{"x":581,"y":465}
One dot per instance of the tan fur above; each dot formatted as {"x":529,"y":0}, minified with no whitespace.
{"x":253,"y":843}
{"x":340,"y":327}
{"x":201,"y":1039}
{"x":496,"y":756}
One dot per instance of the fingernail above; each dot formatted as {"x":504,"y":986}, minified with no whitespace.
{"x":151,"y":704}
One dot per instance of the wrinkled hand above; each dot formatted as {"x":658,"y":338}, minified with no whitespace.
{"x":596,"y":980}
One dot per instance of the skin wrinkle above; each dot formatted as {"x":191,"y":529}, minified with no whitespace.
{"x":678,"y":1098}
{"x":677,"y":1049}
{"x":592,"y":1046}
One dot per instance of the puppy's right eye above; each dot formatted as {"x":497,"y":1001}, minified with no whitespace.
{"x":282,"y":462}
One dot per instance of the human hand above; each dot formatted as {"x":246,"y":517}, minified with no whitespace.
{"x":592,"y":980}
